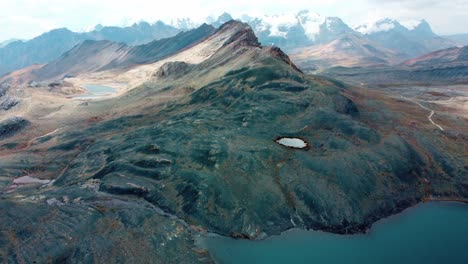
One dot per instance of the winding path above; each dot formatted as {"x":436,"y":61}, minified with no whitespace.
{"x":425,"y":108}
{"x":362,"y":85}
{"x":30,"y":142}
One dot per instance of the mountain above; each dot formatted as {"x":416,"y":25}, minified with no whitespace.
{"x":447,"y":56}
{"x":416,"y":39}
{"x":196,"y":148}
{"x":289,"y":31}
{"x":183,"y":23}
{"x":443,"y":67}
{"x":307,"y":28}
{"x":351,"y":50}
{"x":49,"y":46}
{"x":137,"y":34}
{"x":41,"y":49}
{"x":6,"y":42}
{"x":222,"y":19}
{"x":297,"y":30}
{"x":461,"y":39}
{"x":95,"y":56}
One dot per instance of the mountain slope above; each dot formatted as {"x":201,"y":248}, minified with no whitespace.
{"x":461,"y":39}
{"x":138,"y":176}
{"x":350,"y":50}
{"x":452,"y":55}
{"x":6,"y":42}
{"x":443,"y":67}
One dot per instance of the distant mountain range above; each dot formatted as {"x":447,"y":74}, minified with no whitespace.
{"x":349,"y":50}
{"x":51,"y":45}
{"x":291,"y":32}
{"x":414,"y":40}
{"x":6,"y":42}
{"x":439,"y":67}
{"x":96,"y":56}
{"x":459,"y":38}
{"x":453,"y":55}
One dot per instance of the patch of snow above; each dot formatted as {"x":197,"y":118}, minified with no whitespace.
{"x":184,"y":23}
{"x":411,"y":24}
{"x":292,"y":142}
{"x":310,"y":22}
{"x":29,"y":180}
{"x":86,"y":29}
{"x":54,"y":201}
{"x":381,"y":25}
{"x":279,"y":25}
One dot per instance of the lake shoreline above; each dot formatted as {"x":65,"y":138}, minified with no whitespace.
{"x":205,"y":241}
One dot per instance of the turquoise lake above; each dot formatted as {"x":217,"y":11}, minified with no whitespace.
{"x":96,"y":91}
{"x":428,"y":233}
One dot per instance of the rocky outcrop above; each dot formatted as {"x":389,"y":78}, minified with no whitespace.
{"x":277,"y":52}
{"x":173,"y":70}
{"x":7,"y":102}
{"x":11,"y":126}
{"x":241,"y":33}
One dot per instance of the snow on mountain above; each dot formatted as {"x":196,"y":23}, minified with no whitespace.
{"x":412,"y":23}
{"x":381,"y":25}
{"x":278,"y":25}
{"x":387,"y":24}
{"x":184,"y":23}
{"x":310,"y":22}
{"x":90,"y":28}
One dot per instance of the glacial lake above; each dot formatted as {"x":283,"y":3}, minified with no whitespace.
{"x":95,"y":91}
{"x":428,"y":233}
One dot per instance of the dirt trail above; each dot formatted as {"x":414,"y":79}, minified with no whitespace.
{"x":425,"y":108}
{"x":363,"y":85}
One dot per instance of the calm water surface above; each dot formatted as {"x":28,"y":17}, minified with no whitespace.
{"x":428,"y":233}
{"x":96,"y":91}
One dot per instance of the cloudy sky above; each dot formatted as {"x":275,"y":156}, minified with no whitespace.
{"x":28,"y":18}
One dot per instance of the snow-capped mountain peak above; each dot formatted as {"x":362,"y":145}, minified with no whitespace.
{"x":387,"y":24}
{"x":281,"y":24}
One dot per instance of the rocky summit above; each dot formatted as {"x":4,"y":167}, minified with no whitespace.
{"x":194,"y":148}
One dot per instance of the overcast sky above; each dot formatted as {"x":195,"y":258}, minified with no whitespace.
{"x":28,"y":18}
